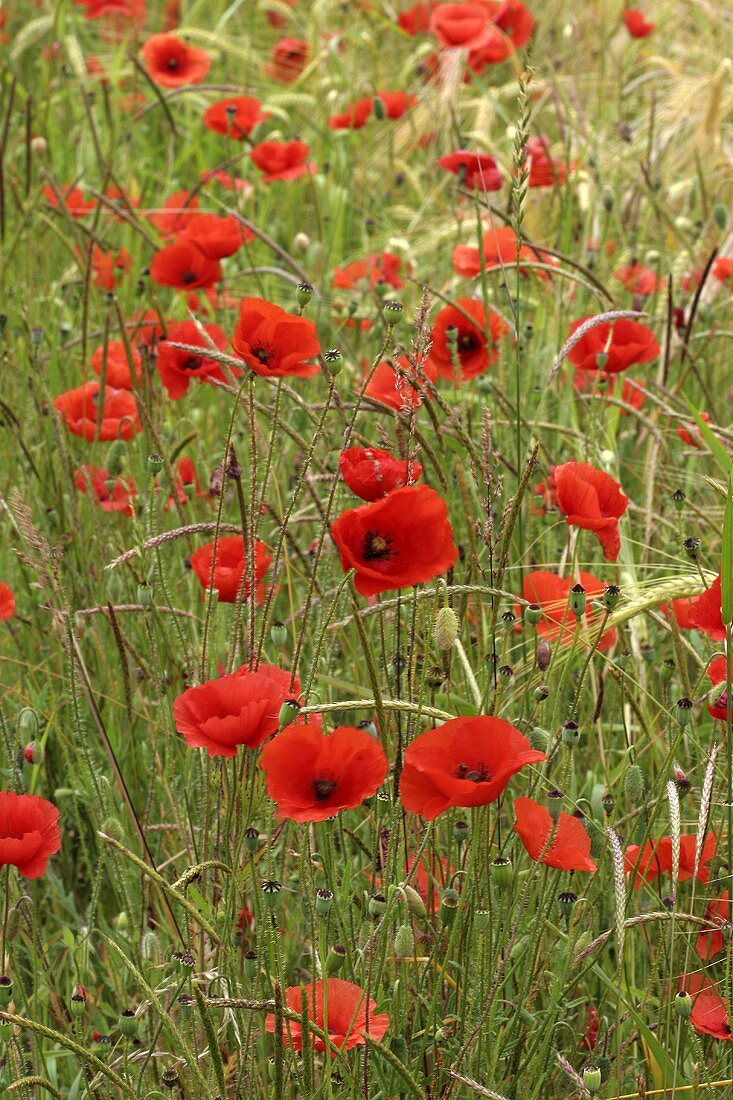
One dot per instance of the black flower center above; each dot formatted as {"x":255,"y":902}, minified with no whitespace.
{"x":191,"y":363}
{"x":263,"y":355}
{"x":467,"y":341}
{"x":172,"y":64}
{"x":477,"y":774}
{"x":323,"y":788}
{"x":188,"y":277}
{"x":377,"y":547}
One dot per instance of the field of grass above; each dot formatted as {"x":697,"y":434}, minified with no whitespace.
{"x":366,"y":549}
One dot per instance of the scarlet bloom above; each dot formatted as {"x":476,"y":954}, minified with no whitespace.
{"x":184,"y":266}
{"x":467,"y":26}
{"x":230,"y":568}
{"x":274,"y":342}
{"x":115,"y":494}
{"x":217,"y":237}
{"x":569,"y":849}
{"x":468,"y":333}
{"x":240,"y":709}
{"x":591,"y":499}
{"x":288,"y":59}
{"x":551,"y":593}
{"x":377,"y":268}
{"x":639,"y":279}
{"x":706,"y":611}
{"x":109,"y":267}
{"x":393,"y":104}
{"x":337,"y":1007}
{"x":694,"y":438}
{"x":636,"y":24}
{"x":466,"y":762}
{"x":172,"y":63}
{"x":72,"y":200}
{"x":119,"y":417}
{"x":173,"y":217}
{"x":477,"y":170}
{"x":282,"y":160}
{"x":334,"y":772}
{"x":399,"y":383}
{"x":371,"y":473}
{"x":499,"y":247}
{"x":718,"y":913}
{"x":655,"y":858}
{"x":177,"y":368}
{"x":545,"y":170}
{"x":235,"y":117}
{"x":115,"y":365}
{"x":354,"y":117}
{"x":403,"y":539}
{"x":29,"y":833}
{"x":723,"y":269}
{"x":709,"y":1010}
{"x":7,"y":602}
{"x":619,"y":344}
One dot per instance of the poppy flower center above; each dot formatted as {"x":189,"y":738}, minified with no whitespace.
{"x":188,"y":277}
{"x":263,"y":355}
{"x":323,"y":788}
{"x":11,"y":836}
{"x":478,"y":774}
{"x":377,"y":547}
{"x":192,"y":362}
{"x":172,"y":64}
{"x":467,"y":342}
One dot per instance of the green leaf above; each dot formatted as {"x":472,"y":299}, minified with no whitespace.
{"x":717,"y":450}
{"x":726,"y":565}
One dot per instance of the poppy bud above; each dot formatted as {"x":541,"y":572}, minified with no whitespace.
{"x":145,"y":594}
{"x":301,"y":242}
{"x":28,"y":724}
{"x":502,"y":871}
{"x":538,"y":738}
{"x":289,"y":711}
{"x":533,"y":613}
{"x":608,"y":802}
{"x":415,"y":903}
{"x":570,"y":734}
{"x":112,"y":826}
{"x":577,"y":600}
{"x":679,"y":499}
{"x":33,"y":753}
{"x":611,"y":596}
{"x":251,"y":839}
{"x":393,"y":312}
{"x":334,"y":359}
{"x":555,"y":800}
{"x":335,"y":959}
{"x":445,"y":629}
{"x":634,"y":785}
{"x":692,"y":547}
{"x":324,"y":902}
{"x":681,"y":782}
{"x":601,"y":360}
{"x":121,"y":921}
{"x":449,"y":906}
{"x":271,"y":892}
{"x":155,"y":463}
{"x":720,"y":214}
{"x":592,"y":1078}
{"x":508,"y":618}
{"x":378,"y":108}
{"x":519,"y":948}
{"x":461,"y":832}
{"x":6,"y":990}
{"x":251,"y":965}
{"x":78,"y":1000}
{"x":404,"y":942}
{"x":169,"y":1078}
{"x":113,"y":462}
{"x":128,"y":1023}
{"x":683,"y":712}
{"x":377,"y":906}
{"x":369,"y":727}
{"x":304,"y":293}
{"x":683,"y":1004}
{"x":543,"y":655}
{"x":541,"y":692}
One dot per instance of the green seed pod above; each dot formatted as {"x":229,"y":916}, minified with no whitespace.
{"x":128,"y":1023}
{"x":445,"y":629}
{"x":567,"y":901}
{"x":461,"y":832}
{"x":592,"y":1078}
{"x":683,"y":712}
{"x":271,"y":893}
{"x":404,"y":942}
{"x":78,"y":1001}
{"x":289,"y":711}
{"x":155,"y":463}
{"x":251,"y":964}
{"x":571,"y":734}
{"x":720,"y":214}
{"x":6,"y":1031}
{"x":678,"y":498}
{"x":393,"y":312}
{"x":304,"y":293}
{"x":533,"y":613}
{"x":501,"y":871}
{"x":482,"y":920}
{"x":577,"y":600}
{"x":634,"y":785}
{"x":554,"y":803}
{"x":611,"y":596}
{"x":170,"y":1079}
{"x":335,"y":959}
{"x":541,"y":692}
{"x":683,"y":1004}
{"x":6,"y":990}
{"x":449,"y":906}
{"x":324,"y":902}
{"x":145,"y":594}
{"x":278,"y":634}
{"x":251,"y":839}
{"x":508,"y":619}
{"x":692,"y":546}
{"x":377,"y":906}
{"x":334,"y":360}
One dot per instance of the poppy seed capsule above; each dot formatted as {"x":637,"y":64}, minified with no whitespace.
{"x":170,"y":1078}
{"x":611,"y":596}
{"x":145,"y":594}
{"x":461,"y":832}
{"x":634,"y":785}
{"x":78,"y":1000}
{"x":334,"y":360}
{"x":335,"y":959}
{"x":555,"y":801}
{"x":541,"y":692}
{"x":543,"y":655}
{"x":449,"y":906}
{"x":570,"y":734}
{"x":683,"y":712}
{"x":592,"y":1078}
{"x":278,"y":634}
{"x":324,"y":902}
{"x":304,"y":293}
{"x":678,"y":498}
{"x":155,"y":463}
{"x":567,"y":901}
{"x":404,"y":942}
{"x":393,"y":311}
{"x":445,"y":629}
{"x":502,"y":871}
{"x":251,"y":965}
{"x":683,"y":1004}
{"x":271,"y":892}
{"x":6,"y":990}
{"x":508,"y":618}
{"x":289,"y":711}
{"x":128,"y":1023}
{"x":533,"y":613}
{"x":251,"y":839}
{"x":577,"y":600}
{"x":377,"y":906}
{"x":692,"y":547}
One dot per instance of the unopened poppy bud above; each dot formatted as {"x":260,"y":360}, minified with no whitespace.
{"x":251,"y":965}
{"x":121,"y":921}
{"x":78,"y":1000}
{"x":170,"y":1079}
{"x":543,"y":655}
{"x":289,"y":711}
{"x":378,"y":108}
{"x":6,"y":990}
{"x":577,"y":600}
{"x":541,"y":692}
{"x":538,"y":738}
{"x":683,"y":1004}
{"x":334,"y":360}
{"x":683,"y":712}
{"x":251,"y":839}
{"x":369,"y":727}
{"x":533,"y":613}
{"x":377,"y":906}
{"x":114,"y":459}
{"x":128,"y":1023}
{"x":508,"y":618}
{"x":145,"y":594}
{"x":335,"y":959}
{"x":28,"y":724}
{"x":415,"y":903}
{"x":33,"y":753}
{"x":301,"y":242}
{"x":324,"y":902}
{"x":304,"y":293}
{"x":555,"y":801}
{"x":271,"y":892}
{"x":449,"y":906}
{"x":155,"y":463}
{"x":501,"y":871}
{"x":393,"y":312}
{"x":461,"y":832}
{"x":404,"y":942}
{"x":720,"y":214}
{"x":570,"y":734}
{"x":692,"y":547}
{"x":634,"y":785}
{"x":112,"y":826}
{"x":519,"y":948}
{"x":592,"y":1078}
{"x":601,"y":360}
{"x":678,"y":498}
{"x":445,"y":629}
{"x":611,"y":596}
{"x":681,"y":782}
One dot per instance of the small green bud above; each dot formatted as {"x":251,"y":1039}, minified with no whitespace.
{"x":541,"y":692}
{"x":378,"y":108}
{"x":415,"y":903}
{"x":538,"y":738}
{"x":404,"y":942}
{"x":519,"y":948}
{"x":34,"y":753}
{"x":634,"y":785}
{"x":28,"y":723}
{"x":720,"y":214}
{"x":445,"y":629}
{"x":112,"y":826}
{"x":115,"y":456}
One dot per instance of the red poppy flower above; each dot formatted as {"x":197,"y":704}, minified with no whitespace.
{"x":591,"y":499}
{"x":694,"y":438}
{"x":499,"y":247}
{"x":474,"y":341}
{"x":706,"y":612}
{"x":723,"y":269}
{"x":133,"y":10}
{"x":371,"y":473}
{"x":466,"y":26}
{"x":711,"y":943}
{"x":282,"y":160}
{"x":29,"y":833}
{"x":227,"y":181}
{"x":590,"y":1035}
{"x":288,"y":59}
{"x":177,"y":368}
{"x":334,"y":772}
{"x":173,"y":217}
{"x":187,"y":484}
{"x":545,"y":170}
{"x":477,"y":170}
{"x":7,"y":602}
{"x":115,"y":494}
{"x":495,"y":49}
{"x":632,"y":393}
{"x":339,"y":1008}
{"x":639,"y":279}
{"x":656,"y":858}
{"x":72,"y":200}
{"x":184,"y":266}
{"x":230,"y":568}
{"x":354,"y":117}
{"x":466,"y":762}
{"x":394,"y":105}
{"x":718,"y":674}
{"x":273,"y":342}
{"x":115,"y":364}
{"x":570,"y":846}
{"x":119,"y":419}
{"x":399,"y":384}
{"x":240,"y":709}
{"x":620,"y":343}
{"x":710,"y":1014}
{"x":217,"y":237}
{"x":403,"y":539}
{"x":235,"y":117}
{"x":636,"y":24}
{"x":378,"y":267}
{"x":417,"y":18}
{"x":552,"y":593}
{"x":515,"y":20}
{"x":109,"y":267}
{"x":172,"y":63}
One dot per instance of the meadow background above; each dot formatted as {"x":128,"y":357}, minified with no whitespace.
{"x":185,"y":931}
